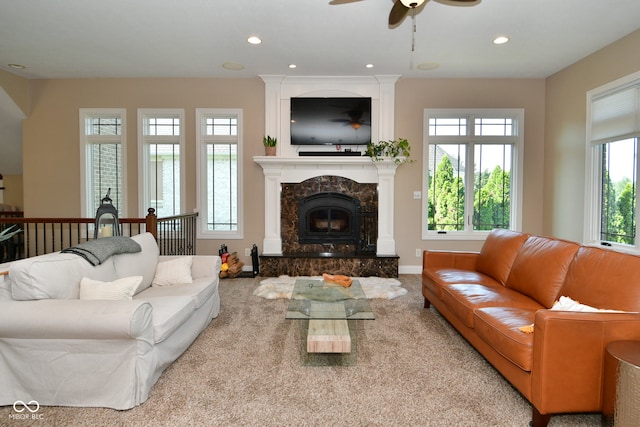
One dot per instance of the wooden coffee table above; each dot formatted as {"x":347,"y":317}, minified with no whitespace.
{"x":329,"y":312}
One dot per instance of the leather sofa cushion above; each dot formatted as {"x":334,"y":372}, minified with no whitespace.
{"x":498,"y":253}
{"x":540,"y":268}
{"x":498,"y":326}
{"x":604,"y":279}
{"x":435,"y":278}
{"x":464,"y":299}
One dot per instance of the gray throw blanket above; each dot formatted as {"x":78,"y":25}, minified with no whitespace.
{"x":98,"y":251}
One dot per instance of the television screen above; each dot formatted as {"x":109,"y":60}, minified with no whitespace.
{"x":330,"y":121}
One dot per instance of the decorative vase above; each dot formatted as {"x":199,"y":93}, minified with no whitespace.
{"x":270,"y":151}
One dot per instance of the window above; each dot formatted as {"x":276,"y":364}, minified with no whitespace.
{"x":613,"y":129}
{"x":472,"y":172}
{"x":161,"y":144}
{"x":102,"y":139}
{"x":219,"y":140}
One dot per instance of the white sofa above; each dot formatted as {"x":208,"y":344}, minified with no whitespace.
{"x":58,"y":349}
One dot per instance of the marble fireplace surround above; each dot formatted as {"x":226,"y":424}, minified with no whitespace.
{"x":280,"y":170}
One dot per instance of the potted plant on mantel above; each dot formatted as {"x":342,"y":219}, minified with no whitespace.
{"x":269,"y":145}
{"x":398,"y":150}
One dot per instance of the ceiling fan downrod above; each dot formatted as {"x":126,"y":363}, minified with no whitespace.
{"x":413,"y":33}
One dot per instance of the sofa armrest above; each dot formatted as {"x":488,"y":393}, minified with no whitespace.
{"x":449,"y":259}
{"x":568,"y":357}
{"x":76,"y":319}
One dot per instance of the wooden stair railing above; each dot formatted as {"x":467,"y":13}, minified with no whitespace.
{"x":175,"y":235}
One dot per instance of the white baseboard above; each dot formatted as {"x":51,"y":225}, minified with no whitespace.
{"x":410,"y":269}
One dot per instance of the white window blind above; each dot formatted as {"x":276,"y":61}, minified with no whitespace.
{"x":616,"y":114}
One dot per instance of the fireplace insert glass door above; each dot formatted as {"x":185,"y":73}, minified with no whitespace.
{"x":329,"y":218}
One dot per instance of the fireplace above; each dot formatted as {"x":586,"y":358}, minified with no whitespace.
{"x":329,"y":218}
{"x":375,"y":253}
{"x":289,"y":181}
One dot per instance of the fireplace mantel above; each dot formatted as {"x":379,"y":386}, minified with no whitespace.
{"x":279,"y":170}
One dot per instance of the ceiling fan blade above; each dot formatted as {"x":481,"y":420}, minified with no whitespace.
{"x":398,"y":12}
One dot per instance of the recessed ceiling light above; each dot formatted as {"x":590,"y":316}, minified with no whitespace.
{"x":254,"y":40}
{"x":17,"y":66}
{"x":292,"y":66}
{"x":369,"y":65}
{"x":501,"y":40}
{"x":234,"y":66}
{"x":426,"y":66}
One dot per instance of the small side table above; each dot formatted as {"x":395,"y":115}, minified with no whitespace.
{"x":621,"y":393}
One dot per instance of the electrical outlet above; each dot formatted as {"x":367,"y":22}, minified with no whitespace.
{"x":417,"y":195}
{"x":247,"y":252}
{"x":418,"y":253}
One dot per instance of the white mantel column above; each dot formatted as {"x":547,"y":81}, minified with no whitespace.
{"x":272,"y":243}
{"x":386,"y":180}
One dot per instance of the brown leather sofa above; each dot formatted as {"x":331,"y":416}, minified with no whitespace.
{"x":513,"y":282}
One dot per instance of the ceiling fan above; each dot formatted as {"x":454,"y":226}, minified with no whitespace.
{"x":401,"y":8}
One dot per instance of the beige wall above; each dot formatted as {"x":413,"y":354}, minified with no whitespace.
{"x":565,"y":124}
{"x":13,"y":192}
{"x":17,"y":88}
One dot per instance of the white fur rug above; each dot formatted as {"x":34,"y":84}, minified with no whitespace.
{"x":373,"y":287}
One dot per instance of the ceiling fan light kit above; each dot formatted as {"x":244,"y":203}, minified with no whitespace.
{"x":412,"y":3}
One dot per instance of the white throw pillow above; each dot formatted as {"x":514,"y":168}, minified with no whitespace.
{"x":567,"y":304}
{"x":173,"y":272}
{"x":118,"y":289}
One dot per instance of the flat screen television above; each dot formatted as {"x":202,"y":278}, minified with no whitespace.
{"x":330,"y":121}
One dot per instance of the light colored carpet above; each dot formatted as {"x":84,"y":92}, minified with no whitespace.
{"x":245,"y":369}
{"x":373,"y":287}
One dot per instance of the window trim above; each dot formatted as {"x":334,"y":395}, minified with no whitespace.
{"x":201,"y":170}
{"x":592,"y":190}
{"x":517,"y":167}
{"x":86,"y":210}
{"x":143,"y":158}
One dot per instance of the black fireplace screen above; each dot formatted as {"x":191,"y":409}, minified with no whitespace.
{"x":327,"y":218}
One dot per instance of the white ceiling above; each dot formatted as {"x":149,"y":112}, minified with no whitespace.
{"x":193,"y":38}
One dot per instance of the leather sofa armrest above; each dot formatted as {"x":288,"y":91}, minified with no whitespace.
{"x":53,"y":319}
{"x":449,"y":259}
{"x":568,"y":357}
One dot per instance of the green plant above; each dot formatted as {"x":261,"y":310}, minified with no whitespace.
{"x":399,"y":150}
{"x":269,"y":141}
